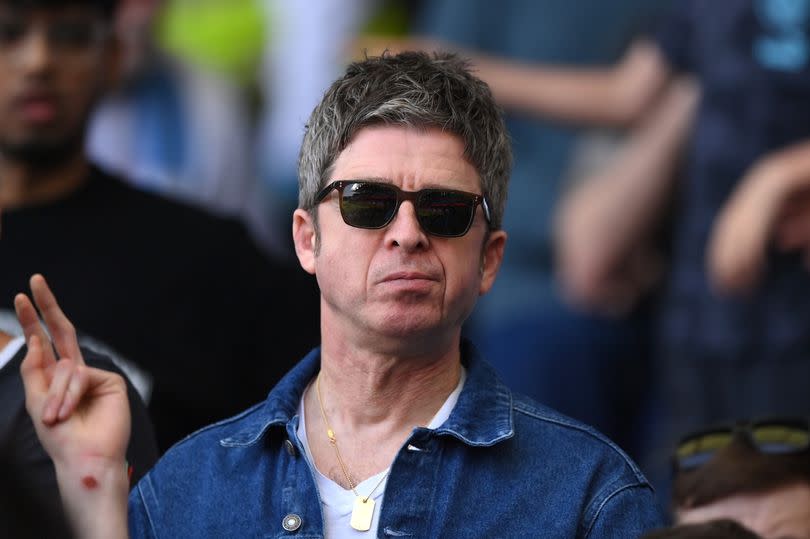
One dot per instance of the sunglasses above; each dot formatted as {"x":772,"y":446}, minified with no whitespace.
{"x":440,"y":212}
{"x":768,"y":436}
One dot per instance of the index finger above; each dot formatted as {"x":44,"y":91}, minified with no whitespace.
{"x":29,"y":321}
{"x":62,"y":330}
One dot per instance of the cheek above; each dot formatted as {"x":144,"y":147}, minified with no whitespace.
{"x":463,"y":276}
{"x":340,"y":266}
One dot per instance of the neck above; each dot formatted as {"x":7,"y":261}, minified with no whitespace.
{"x":372,"y":402}
{"x":22,"y":184}
{"x":366,"y":387}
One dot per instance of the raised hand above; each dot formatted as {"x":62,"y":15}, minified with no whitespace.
{"x":81,"y":415}
{"x":78,"y":411}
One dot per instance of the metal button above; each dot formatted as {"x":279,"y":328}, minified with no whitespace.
{"x":291,"y":522}
{"x":288,"y":445}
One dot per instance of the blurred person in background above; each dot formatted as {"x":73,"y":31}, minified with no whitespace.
{"x":184,"y":295}
{"x":732,"y":335}
{"x":756,"y":473}
{"x":171,"y":126}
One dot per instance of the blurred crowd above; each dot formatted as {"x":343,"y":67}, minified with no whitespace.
{"x":655,"y":282}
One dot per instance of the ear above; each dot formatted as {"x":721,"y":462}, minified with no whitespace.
{"x":305,"y":239}
{"x":491,"y":257}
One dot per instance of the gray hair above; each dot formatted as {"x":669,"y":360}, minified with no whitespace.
{"x":412,"y":89}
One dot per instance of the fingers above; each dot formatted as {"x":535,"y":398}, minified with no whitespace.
{"x":62,"y":331}
{"x":68,"y":385}
{"x":34,"y":377}
{"x":29,"y":321}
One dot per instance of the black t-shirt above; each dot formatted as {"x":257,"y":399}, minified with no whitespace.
{"x":27,"y":468}
{"x":183,"y":294}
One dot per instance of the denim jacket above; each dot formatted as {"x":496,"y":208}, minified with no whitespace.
{"x":500,"y":466}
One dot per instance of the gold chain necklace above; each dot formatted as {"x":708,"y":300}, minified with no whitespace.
{"x":363,"y":510}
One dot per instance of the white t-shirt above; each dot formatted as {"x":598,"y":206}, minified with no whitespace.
{"x":338,"y":502}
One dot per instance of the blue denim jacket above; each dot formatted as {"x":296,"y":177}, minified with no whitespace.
{"x":500,"y":466}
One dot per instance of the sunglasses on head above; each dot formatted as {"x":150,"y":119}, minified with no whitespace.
{"x":440,"y":212}
{"x":768,"y":436}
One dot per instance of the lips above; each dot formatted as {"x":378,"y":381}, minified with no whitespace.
{"x":37,"y":108}
{"x":408,"y":276}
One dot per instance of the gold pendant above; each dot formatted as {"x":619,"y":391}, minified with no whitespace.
{"x":362,"y":514}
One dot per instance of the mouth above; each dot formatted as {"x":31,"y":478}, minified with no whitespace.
{"x":37,"y":108}
{"x":409,"y":283}
{"x":406,"y":276}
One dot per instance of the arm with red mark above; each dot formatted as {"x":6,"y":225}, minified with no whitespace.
{"x":81,"y":416}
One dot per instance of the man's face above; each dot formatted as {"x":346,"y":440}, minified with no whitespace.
{"x":55,"y":62}
{"x":399,"y":281}
{"x":783,"y":513}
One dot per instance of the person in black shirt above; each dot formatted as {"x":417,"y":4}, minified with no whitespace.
{"x":182,"y":294}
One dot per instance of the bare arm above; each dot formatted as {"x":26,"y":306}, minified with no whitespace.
{"x":612,"y":96}
{"x":603,"y":226}
{"x":771,"y":203}
{"x":81,"y":416}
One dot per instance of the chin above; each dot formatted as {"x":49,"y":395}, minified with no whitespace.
{"x":38,"y":152}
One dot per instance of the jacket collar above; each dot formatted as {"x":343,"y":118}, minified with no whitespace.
{"x":482,"y":416}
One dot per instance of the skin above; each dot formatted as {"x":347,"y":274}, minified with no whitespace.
{"x":771,"y":206}
{"x":392,"y":300}
{"x":783,"y":513}
{"x":46,"y":95}
{"x":606,"y":259}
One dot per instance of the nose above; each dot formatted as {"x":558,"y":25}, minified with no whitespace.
{"x":404,"y":231}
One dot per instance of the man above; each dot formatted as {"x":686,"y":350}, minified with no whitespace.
{"x":185,"y":296}
{"x":395,"y":426}
{"x":755,"y":473}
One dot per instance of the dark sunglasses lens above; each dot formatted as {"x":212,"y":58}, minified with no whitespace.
{"x":697,"y":450}
{"x":368,"y":205}
{"x":445,"y":213}
{"x":779,"y":439}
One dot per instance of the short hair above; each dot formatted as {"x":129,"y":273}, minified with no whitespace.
{"x":739,"y":468}
{"x":713,"y":529}
{"x":107,"y":8}
{"x":413,"y":89}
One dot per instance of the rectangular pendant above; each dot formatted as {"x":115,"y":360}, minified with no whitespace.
{"x":362,"y":514}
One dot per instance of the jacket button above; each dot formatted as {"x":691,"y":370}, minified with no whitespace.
{"x":291,"y":522}
{"x":288,"y":445}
